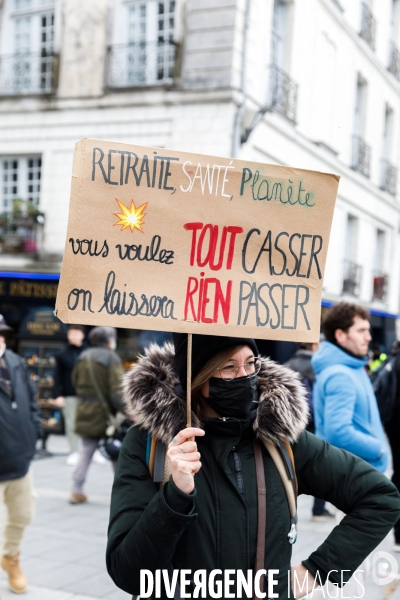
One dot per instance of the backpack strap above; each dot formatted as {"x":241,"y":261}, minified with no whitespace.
{"x":160,"y":462}
{"x":261,"y":512}
{"x":287,"y":455}
{"x":150,"y":452}
{"x":283,"y":459}
{"x":156,"y":459}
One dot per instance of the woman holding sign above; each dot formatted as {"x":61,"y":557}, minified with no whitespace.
{"x":223,"y":523}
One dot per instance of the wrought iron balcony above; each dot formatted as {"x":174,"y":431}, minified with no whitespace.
{"x":361,"y":156}
{"x":368,"y":26}
{"x":380,"y":285}
{"x":388,"y":177}
{"x":351,"y":278}
{"x":141,"y":64}
{"x":394,"y":61}
{"x":26,"y":73}
{"x":282,"y":93}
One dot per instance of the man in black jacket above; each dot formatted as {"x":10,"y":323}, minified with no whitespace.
{"x":19,"y":430}
{"x":64,"y":391}
{"x":392,"y":429}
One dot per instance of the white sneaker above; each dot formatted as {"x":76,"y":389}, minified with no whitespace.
{"x":72,"y":459}
{"x":99,"y":459}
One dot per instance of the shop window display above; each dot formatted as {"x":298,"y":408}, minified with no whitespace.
{"x":41,"y":337}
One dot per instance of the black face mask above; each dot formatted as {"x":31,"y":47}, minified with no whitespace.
{"x":233,"y":398}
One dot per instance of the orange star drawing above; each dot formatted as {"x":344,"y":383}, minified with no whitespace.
{"x":131,"y":217}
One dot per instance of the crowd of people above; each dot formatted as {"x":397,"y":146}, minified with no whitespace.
{"x":88,"y":390}
{"x":242,"y":404}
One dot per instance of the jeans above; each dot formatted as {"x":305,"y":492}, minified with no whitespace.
{"x":89,"y":447}
{"x":69,"y":413}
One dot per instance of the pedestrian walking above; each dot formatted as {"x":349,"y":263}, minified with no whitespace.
{"x":392,"y":429}
{"x":345,"y":409}
{"x":214,"y":511}
{"x":64,"y":392}
{"x":300,"y":362}
{"x":97,"y":378}
{"x":19,"y":431}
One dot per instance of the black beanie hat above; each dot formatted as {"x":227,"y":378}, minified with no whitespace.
{"x":204,"y":347}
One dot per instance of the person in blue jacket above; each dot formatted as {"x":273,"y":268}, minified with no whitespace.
{"x":345,"y":409}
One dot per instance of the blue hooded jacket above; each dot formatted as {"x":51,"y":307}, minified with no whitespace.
{"x":345,"y":409}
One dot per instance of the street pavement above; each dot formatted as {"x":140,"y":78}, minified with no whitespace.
{"x":64,"y":548}
{"x":63,"y":551}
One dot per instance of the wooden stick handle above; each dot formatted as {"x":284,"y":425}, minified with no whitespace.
{"x":189,"y":382}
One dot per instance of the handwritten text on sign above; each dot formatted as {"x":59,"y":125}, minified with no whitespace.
{"x":167,"y":240}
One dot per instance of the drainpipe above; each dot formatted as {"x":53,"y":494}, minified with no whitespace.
{"x":237,"y":126}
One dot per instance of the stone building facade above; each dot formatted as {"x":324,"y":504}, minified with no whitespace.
{"x":314,"y":84}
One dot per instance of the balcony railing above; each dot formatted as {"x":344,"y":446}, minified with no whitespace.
{"x":26,"y":73}
{"x":361,"y":155}
{"x":380,"y":284}
{"x":388,"y":177}
{"x":351,"y":278}
{"x":141,"y":64}
{"x":368,"y":26}
{"x":282,"y":93}
{"x":394,"y":60}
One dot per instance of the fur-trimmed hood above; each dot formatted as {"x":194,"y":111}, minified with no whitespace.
{"x":150,"y":397}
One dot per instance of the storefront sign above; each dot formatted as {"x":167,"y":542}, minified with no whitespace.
{"x":24,"y":288}
{"x":41,"y":322}
{"x":172,"y":241}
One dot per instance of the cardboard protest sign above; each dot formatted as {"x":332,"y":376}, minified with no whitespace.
{"x":173,"y":241}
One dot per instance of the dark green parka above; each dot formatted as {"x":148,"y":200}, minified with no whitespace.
{"x":216,"y":528}
{"x":106,"y":370}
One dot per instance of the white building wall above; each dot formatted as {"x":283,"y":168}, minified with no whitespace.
{"x":83,"y":48}
{"x":325,"y":55}
{"x":208,"y":44}
{"x":333,"y":280}
{"x":197,"y":127}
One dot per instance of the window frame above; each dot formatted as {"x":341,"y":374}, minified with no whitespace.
{"x":23,"y":181}
{"x":27,"y":67}
{"x":147,"y":58}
